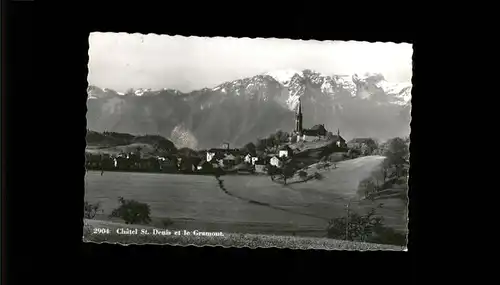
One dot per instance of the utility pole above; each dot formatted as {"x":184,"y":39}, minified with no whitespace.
{"x":347,"y":223}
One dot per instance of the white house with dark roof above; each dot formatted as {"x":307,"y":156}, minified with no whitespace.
{"x":285,"y":151}
{"x":275,"y":161}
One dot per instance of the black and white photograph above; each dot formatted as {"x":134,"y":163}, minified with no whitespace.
{"x":247,"y":142}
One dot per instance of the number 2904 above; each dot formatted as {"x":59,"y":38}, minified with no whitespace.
{"x":100,"y":231}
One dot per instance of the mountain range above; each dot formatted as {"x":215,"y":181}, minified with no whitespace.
{"x":243,"y":110}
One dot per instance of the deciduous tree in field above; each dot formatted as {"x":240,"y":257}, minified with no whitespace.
{"x":90,"y":210}
{"x":364,"y":228}
{"x":272,"y":171}
{"x":287,"y":171}
{"x":303,"y":175}
{"x":132,"y":211}
{"x":397,"y":152}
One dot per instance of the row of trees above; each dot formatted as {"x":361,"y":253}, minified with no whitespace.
{"x":391,"y":178}
{"x":273,"y":140}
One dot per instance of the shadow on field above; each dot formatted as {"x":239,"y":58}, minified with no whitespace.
{"x":223,"y":188}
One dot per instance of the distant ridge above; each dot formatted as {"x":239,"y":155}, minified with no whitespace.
{"x":241,"y":110}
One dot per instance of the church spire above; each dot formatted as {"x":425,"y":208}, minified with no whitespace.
{"x":298,"y":118}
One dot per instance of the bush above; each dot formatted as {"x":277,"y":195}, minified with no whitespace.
{"x":302,"y":175}
{"x":318,"y":176}
{"x":359,"y":228}
{"x":364,"y":228}
{"x":367,"y":188}
{"x":272,"y":171}
{"x":387,"y":235}
{"x":90,"y":210}
{"x":132,"y":212}
{"x":87,"y":229}
{"x":167,"y":222}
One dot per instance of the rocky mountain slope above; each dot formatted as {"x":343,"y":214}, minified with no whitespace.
{"x":243,"y":110}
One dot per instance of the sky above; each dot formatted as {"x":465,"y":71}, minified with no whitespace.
{"x":121,"y":61}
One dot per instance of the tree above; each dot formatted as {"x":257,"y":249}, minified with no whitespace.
{"x":277,"y":137}
{"x":355,"y":227}
{"x":282,"y":136}
{"x":385,"y":169}
{"x":353,"y":153}
{"x":167,"y":222}
{"x":90,"y":210}
{"x":397,"y":153}
{"x":365,"y":149}
{"x":272,"y":171}
{"x":251,"y":148}
{"x":260,"y":145}
{"x":132,"y":212}
{"x":187,"y":152}
{"x":303,"y":175}
{"x":368,"y":188}
{"x":138,"y":149}
{"x":165,"y":145}
{"x":287,"y":171}
{"x":329,"y":135}
{"x":318,"y":176}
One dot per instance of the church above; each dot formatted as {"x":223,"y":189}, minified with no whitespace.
{"x":315,"y":133}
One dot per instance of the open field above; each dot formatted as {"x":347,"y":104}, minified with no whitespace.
{"x":254,"y":204}
{"x":226,"y":240}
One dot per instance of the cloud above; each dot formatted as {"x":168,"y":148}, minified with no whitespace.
{"x":121,"y":61}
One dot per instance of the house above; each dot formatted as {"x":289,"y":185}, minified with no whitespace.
{"x":229,"y":160}
{"x":205,"y":167}
{"x":338,"y":140}
{"x":315,"y":133}
{"x":215,"y":156}
{"x":248,"y":158}
{"x":210,"y":156}
{"x":221,"y":152}
{"x":254,"y":160}
{"x":285,"y":151}
{"x":275,"y":161}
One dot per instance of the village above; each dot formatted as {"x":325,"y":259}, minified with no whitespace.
{"x":299,"y":148}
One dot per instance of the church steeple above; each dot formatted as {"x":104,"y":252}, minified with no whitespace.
{"x":298,"y":118}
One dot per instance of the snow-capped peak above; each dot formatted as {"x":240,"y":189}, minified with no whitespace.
{"x":141,"y":91}
{"x":284,"y":76}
